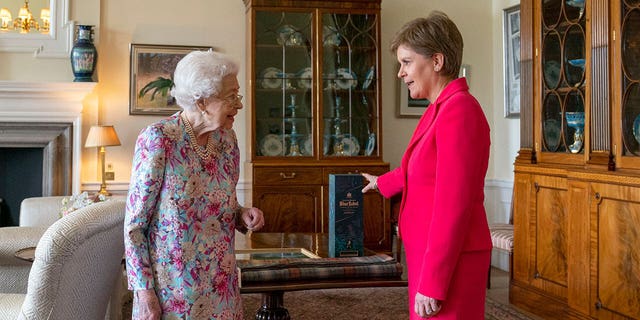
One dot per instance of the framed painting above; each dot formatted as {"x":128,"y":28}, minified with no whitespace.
{"x":151,"y":77}
{"x":408,"y":107}
{"x":511,"y":22}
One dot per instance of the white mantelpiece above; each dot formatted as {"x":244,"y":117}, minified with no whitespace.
{"x":47,"y":102}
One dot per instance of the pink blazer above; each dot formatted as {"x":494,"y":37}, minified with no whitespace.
{"x":441,"y":178}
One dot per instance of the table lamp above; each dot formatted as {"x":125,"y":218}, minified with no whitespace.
{"x":102,"y":136}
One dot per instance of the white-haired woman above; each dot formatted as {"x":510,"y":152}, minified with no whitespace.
{"x":182,"y":209}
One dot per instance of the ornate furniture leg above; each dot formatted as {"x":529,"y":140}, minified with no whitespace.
{"x":273,"y":307}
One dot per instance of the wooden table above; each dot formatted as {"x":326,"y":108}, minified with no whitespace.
{"x":273,"y":291}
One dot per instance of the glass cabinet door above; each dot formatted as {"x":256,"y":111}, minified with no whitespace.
{"x":349,"y":85}
{"x":283,"y":84}
{"x":630,"y":60}
{"x":563,"y":76}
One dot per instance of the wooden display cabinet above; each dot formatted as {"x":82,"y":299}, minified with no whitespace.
{"x":577,"y":174}
{"x":314,"y":98}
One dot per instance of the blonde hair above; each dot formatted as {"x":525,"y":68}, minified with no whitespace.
{"x":433,"y":34}
{"x":199,"y":75}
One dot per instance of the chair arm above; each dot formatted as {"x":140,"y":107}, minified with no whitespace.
{"x":14,"y":272}
{"x":13,"y":239}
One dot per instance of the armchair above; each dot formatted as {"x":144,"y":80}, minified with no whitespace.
{"x":77,"y":266}
{"x":36,"y":215}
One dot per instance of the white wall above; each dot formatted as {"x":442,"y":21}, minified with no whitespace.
{"x":505,"y":132}
{"x":480,"y":23}
{"x":221,"y":24}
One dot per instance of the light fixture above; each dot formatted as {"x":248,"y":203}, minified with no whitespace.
{"x":25,"y":21}
{"x":6,"y":21}
{"x":45,"y":16}
{"x":102,"y":136}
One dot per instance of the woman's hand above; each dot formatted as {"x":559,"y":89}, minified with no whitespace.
{"x":146,"y":305}
{"x":373,"y":182}
{"x":253,"y":218}
{"x":426,"y":307}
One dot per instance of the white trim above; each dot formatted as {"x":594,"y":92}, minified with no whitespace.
{"x":497,"y":200}
{"x":56,"y":44}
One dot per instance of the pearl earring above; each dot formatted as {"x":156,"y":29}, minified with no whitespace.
{"x":203,"y":112}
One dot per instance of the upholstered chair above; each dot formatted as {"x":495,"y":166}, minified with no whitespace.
{"x":77,"y":266}
{"x":502,"y":239}
{"x":36,"y":215}
{"x":40,"y":211}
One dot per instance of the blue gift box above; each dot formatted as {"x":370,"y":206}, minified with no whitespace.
{"x":346,"y":235}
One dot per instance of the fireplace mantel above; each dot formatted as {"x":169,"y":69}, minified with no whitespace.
{"x":39,"y":102}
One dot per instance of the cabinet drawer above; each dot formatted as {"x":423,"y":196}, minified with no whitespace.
{"x":287,"y":176}
{"x":374,"y":170}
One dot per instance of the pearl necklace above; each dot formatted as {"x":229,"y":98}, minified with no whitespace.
{"x":203,"y":152}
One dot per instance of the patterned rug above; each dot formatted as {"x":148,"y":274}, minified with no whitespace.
{"x":352,"y":304}
{"x":361,"y":303}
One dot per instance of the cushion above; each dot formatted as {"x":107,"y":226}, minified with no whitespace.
{"x":502,"y":236}
{"x":379,"y":265}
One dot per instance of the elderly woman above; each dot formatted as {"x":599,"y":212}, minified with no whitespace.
{"x":182,"y":210}
{"x":442,"y":219}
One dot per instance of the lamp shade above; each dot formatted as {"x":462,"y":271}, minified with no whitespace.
{"x":102,"y":136}
{"x":24,"y":13}
{"x":5,"y":14}
{"x":45,"y":14}
{"x":5,"y":19}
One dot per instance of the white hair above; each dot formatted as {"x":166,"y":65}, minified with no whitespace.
{"x":199,"y":75}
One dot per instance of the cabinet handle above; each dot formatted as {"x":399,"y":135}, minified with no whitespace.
{"x":598,"y":305}
{"x":285,"y":176}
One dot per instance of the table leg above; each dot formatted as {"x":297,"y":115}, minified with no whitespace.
{"x":273,"y":307}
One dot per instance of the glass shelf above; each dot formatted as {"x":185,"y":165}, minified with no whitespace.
{"x":349,"y":85}
{"x":286,"y":87}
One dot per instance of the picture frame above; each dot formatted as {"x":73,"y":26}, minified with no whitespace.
{"x":151,"y":69}
{"x":407,"y":106}
{"x":511,"y":41}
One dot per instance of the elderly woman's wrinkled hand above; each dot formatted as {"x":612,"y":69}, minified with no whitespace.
{"x":426,"y":307}
{"x":253,"y":218}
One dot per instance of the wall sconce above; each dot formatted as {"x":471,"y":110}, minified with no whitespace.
{"x":102,"y":136}
{"x":25,"y":21}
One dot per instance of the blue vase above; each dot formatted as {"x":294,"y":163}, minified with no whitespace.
{"x":83,"y":54}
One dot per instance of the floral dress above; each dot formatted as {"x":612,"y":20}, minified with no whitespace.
{"x":180,"y":222}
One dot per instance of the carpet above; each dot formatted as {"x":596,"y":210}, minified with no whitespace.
{"x":352,"y":304}
{"x":360,"y":304}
